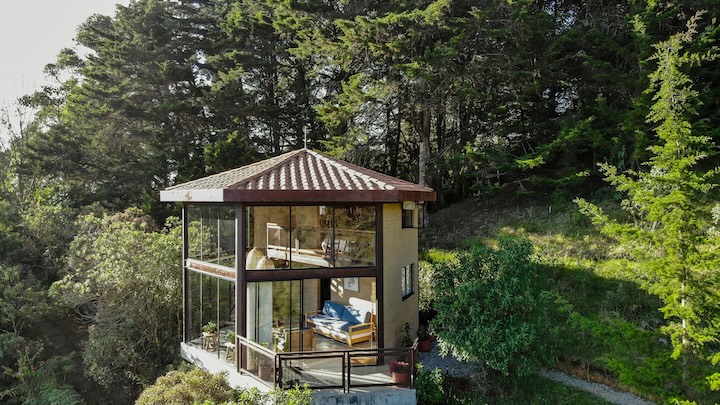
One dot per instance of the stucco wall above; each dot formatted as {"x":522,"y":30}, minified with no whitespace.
{"x":400,"y":248}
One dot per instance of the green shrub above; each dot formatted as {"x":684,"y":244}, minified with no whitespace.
{"x":430,"y":387}
{"x":187,"y":387}
{"x":27,"y":378}
{"x":490,"y":309}
{"x":197,"y":386}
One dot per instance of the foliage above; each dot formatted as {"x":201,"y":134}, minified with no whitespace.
{"x":669,"y":235}
{"x":489,"y":309}
{"x":399,"y":367}
{"x":123,"y":277}
{"x":484,"y":97}
{"x":518,"y":94}
{"x":404,"y":339}
{"x":196,"y":386}
{"x":210,"y":327}
{"x":428,"y":268}
{"x":432,"y":387}
{"x":187,"y":387}
{"x":32,"y":381}
{"x":22,"y":299}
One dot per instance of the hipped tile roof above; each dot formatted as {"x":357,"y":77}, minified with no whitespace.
{"x":298,"y":176}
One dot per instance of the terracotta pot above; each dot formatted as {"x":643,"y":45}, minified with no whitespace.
{"x":424,"y":345}
{"x":401,"y":379}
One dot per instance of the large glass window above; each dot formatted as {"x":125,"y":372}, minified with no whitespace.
{"x":302,"y":237}
{"x":268,"y":238}
{"x":311,"y":237}
{"x":354,"y":236}
{"x":212,"y":313}
{"x":211,"y":234}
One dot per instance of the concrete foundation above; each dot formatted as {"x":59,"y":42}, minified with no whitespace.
{"x":379,"y":397}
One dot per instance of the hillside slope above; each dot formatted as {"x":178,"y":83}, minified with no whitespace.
{"x":613,"y":332}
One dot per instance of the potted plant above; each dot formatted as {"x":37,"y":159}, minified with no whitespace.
{"x":404,"y":338}
{"x":400,"y":371}
{"x":424,"y":342}
{"x":231,"y":337}
{"x":210,"y":327}
{"x":209,"y":334}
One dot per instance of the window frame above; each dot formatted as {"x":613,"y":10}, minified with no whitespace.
{"x":408,"y":219}
{"x":406,"y":271}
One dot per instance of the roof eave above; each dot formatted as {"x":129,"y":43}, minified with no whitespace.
{"x":192,"y":195}
{"x":295,"y":196}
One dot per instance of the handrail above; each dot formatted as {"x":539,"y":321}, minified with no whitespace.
{"x":256,"y":346}
{"x":345,"y":355}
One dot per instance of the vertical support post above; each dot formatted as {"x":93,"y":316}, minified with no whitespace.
{"x":379,"y":276}
{"x":186,"y":321}
{"x":240,"y":284}
{"x":346,"y":372}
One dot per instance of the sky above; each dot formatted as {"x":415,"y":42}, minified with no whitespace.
{"x":32,"y":33}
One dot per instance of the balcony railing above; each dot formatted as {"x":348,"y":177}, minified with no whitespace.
{"x":334,"y":369}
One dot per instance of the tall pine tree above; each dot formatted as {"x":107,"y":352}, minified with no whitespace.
{"x":670,"y":233}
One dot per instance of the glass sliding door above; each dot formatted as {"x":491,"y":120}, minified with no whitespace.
{"x":275,"y":317}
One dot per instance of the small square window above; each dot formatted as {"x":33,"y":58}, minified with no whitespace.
{"x":407,"y":218}
{"x":407,"y":281}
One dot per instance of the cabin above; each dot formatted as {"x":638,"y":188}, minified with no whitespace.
{"x":300,"y":269}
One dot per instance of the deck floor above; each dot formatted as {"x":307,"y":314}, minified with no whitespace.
{"x":317,"y":372}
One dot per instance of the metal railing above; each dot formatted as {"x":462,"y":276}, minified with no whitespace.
{"x":334,"y":369}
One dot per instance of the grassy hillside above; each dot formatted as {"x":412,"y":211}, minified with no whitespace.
{"x":612,"y":333}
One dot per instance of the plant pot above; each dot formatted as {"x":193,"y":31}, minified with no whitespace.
{"x":401,"y":379}
{"x":424,"y":345}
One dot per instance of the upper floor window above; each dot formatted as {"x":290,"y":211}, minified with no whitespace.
{"x":211,"y":233}
{"x":407,"y":218}
{"x":412,"y":214}
{"x":300,"y":237}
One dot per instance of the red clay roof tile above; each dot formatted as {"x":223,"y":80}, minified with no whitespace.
{"x":298,"y":176}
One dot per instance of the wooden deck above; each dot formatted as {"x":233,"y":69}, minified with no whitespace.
{"x":365,"y":374}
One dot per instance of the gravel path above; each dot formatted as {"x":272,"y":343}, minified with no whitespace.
{"x":609,"y":394}
{"x":432,"y":360}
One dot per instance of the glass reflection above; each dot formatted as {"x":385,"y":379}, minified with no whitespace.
{"x":302,"y":237}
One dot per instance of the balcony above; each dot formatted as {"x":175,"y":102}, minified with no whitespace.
{"x":333,"y":371}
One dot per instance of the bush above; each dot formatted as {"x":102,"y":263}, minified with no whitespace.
{"x":197,"y":386}
{"x":490,"y":310}
{"x":187,"y":387}
{"x":431,"y":387}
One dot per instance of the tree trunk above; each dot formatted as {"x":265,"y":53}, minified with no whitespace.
{"x":423,"y":130}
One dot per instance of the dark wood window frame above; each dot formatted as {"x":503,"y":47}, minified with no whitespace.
{"x":407,"y":273}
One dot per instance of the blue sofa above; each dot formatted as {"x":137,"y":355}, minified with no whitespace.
{"x":342,"y":322}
